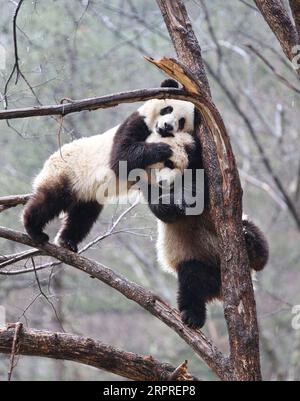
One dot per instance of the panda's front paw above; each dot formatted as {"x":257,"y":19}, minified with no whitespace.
{"x":194,"y":317}
{"x":163,"y":152}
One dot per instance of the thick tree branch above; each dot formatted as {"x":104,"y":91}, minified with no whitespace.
{"x":184,"y":39}
{"x":145,"y":298}
{"x":90,"y":104}
{"x":225,"y":205}
{"x":278,"y":19}
{"x":83,"y":350}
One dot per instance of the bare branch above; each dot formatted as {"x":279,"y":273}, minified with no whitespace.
{"x":89,"y":352}
{"x":280,"y":77}
{"x":7,"y":260}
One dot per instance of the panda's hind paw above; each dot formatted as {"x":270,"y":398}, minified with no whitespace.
{"x":195,"y":319}
{"x":67,"y":244}
{"x":40,"y":238}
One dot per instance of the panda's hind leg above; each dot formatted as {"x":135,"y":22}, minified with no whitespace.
{"x":257,"y":246}
{"x":198,"y":283}
{"x":79,"y":219}
{"x":45,"y":204}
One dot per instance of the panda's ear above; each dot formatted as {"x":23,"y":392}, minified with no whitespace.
{"x":169,"y":83}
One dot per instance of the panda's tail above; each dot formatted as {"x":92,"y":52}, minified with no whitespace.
{"x":257,"y":246}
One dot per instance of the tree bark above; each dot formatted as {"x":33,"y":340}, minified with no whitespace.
{"x":63,"y":346}
{"x":225,"y":207}
{"x":278,"y":19}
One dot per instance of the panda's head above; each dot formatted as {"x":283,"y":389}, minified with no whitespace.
{"x":169,"y":116}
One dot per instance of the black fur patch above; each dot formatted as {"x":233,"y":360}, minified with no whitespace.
{"x":166,"y":110}
{"x":78,"y":222}
{"x":257,"y":246}
{"x":198,"y":283}
{"x":166,"y":213}
{"x":45,"y":204}
{"x":181,"y":124}
{"x":194,"y":153}
{"x":129,"y":145}
{"x":169,"y":83}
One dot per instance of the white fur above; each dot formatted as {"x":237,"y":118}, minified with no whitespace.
{"x":85,"y":162}
{"x":186,"y":239}
{"x":177,"y":143}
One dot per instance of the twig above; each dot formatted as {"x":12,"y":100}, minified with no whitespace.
{"x":181,"y":373}
{"x":14,"y":348}
{"x":45,"y":296}
{"x":280,"y":77}
{"x":11,"y":259}
{"x":16,"y":66}
{"x":265,"y":187}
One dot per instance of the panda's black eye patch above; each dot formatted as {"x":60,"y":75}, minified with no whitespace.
{"x":166,"y":110}
{"x":181,"y":124}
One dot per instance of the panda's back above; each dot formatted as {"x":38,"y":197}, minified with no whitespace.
{"x":83,"y":162}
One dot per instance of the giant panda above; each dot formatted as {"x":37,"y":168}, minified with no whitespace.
{"x":189,"y":246}
{"x":75,"y":179}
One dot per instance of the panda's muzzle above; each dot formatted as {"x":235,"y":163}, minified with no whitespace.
{"x":166,"y":131}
